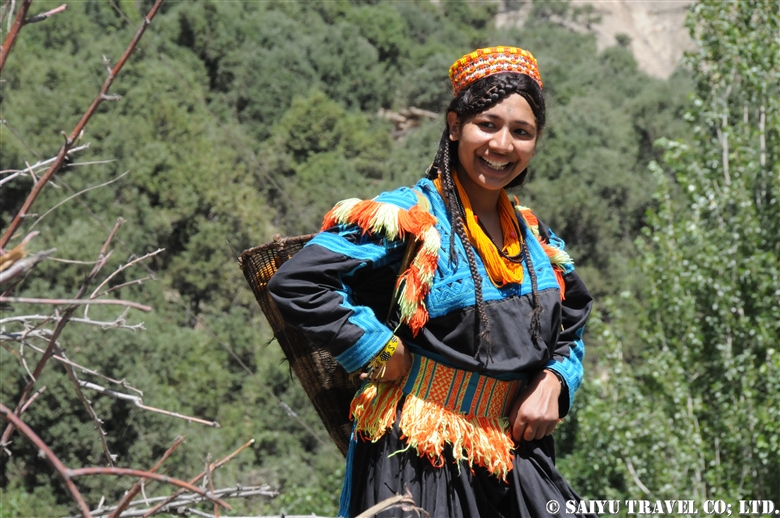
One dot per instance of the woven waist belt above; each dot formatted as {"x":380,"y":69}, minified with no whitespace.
{"x":443,"y":406}
{"x":460,"y":391}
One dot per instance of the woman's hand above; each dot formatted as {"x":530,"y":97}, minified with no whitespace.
{"x":534,"y":413}
{"x":396,"y":367}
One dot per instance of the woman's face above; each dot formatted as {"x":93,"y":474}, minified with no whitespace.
{"x":494,"y":146}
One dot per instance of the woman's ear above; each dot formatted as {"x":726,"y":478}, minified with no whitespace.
{"x":453,"y":124}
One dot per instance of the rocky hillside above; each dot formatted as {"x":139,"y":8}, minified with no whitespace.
{"x":656,"y":28}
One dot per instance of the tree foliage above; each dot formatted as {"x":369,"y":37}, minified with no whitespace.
{"x":695,"y":413}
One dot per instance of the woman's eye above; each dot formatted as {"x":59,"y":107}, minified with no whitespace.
{"x":485,"y":124}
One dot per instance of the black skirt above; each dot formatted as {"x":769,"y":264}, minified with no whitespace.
{"x":388,"y":467}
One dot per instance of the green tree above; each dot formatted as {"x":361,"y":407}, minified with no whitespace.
{"x":696,"y":414}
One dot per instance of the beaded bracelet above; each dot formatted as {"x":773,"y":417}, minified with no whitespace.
{"x":380,"y":360}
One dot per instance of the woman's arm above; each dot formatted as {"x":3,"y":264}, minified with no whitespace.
{"x":313,"y":292}
{"x":549,"y":396}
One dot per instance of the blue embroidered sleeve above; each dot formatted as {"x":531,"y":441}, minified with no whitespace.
{"x":570,"y":349}
{"x":338,"y":288}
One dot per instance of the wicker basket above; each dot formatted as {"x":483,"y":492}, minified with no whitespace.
{"x":325,"y":382}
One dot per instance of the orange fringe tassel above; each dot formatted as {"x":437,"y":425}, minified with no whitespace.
{"x":392,"y":222}
{"x":427,"y":427}
{"x":555,"y":255}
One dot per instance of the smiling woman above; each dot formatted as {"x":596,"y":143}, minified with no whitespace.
{"x":481,"y":354}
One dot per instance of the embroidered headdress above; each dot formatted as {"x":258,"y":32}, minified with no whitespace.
{"x":492,"y":60}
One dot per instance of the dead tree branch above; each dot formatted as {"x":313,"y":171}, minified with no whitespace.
{"x":122,"y":268}
{"x":76,"y":302}
{"x":123,"y":472}
{"x":8,"y":44}
{"x":102,"y":258}
{"x":78,"y":194}
{"x":122,"y":505}
{"x":24,"y":265}
{"x":44,"y":334}
{"x":185,"y":500}
{"x":46,"y":452}
{"x":212,"y":467}
{"x":139,"y":403}
{"x":32,"y":399}
{"x":43,"y":16}
{"x":119,"y":323}
{"x":91,"y":411}
{"x":41,"y":164}
{"x":74,"y":135}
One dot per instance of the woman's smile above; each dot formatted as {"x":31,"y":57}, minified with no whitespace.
{"x":494,"y":146}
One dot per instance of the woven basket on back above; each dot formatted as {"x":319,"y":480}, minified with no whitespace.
{"x":325,"y":382}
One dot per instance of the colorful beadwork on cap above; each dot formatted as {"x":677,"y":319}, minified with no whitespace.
{"x":492,"y":60}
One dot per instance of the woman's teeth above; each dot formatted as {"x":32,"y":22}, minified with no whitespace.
{"x":498,"y":166}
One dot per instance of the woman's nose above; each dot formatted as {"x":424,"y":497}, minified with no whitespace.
{"x":501,"y":141}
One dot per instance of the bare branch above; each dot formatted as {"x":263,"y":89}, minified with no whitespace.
{"x":119,"y":323}
{"x":212,"y":467}
{"x":128,"y":283}
{"x":32,"y":399}
{"x":91,"y":411}
{"x":46,"y":452}
{"x":40,"y":334}
{"x":122,"y":505}
{"x":139,"y":403}
{"x":72,"y":261}
{"x":76,"y":302}
{"x":39,"y":165}
{"x":8,"y":44}
{"x":120,"y":472}
{"x":43,"y":16}
{"x":77,"y":131}
{"x":122,"y":268}
{"x":77,"y":194}
{"x":24,"y":265}
{"x":102,"y":257}
{"x":187,"y":499}
{"x":11,"y":177}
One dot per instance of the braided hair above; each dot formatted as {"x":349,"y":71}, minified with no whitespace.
{"x":472,"y":100}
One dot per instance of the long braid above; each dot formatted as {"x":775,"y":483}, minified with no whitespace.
{"x":442,"y":164}
{"x":536,"y":314}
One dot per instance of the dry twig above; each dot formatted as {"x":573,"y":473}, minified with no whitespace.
{"x":102,"y":256}
{"x":212,"y":467}
{"x":91,"y":411}
{"x":13,"y":33}
{"x":77,"y":131}
{"x":119,"y":322}
{"x":121,"y":472}
{"x":43,"y":16}
{"x":77,"y":194}
{"x":76,"y":302}
{"x":46,"y":452}
{"x":45,"y":334}
{"x":140,"y":507}
{"x":139,"y":403}
{"x":122,"y":505}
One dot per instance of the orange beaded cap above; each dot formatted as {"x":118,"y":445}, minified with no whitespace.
{"x":492,"y":60}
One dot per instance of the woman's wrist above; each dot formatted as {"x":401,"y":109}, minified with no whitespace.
{"x":376,"y":367}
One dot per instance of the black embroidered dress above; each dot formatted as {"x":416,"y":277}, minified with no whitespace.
{"x":338,"y":289}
